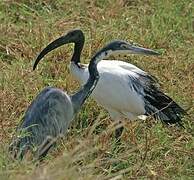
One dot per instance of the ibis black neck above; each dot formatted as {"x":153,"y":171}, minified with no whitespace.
{"x":77,"y":50}
{"x":79,"y":98}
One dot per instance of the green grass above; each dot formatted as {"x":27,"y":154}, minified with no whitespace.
{"x":147,"y":150}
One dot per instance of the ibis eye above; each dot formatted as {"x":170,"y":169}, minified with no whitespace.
{"x":124,"y":46}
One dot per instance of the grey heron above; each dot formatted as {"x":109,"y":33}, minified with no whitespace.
{"x":124,"y":90}
{"x":52,"y":111}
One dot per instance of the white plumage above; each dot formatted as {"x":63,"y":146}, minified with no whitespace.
{"x":126,"y":91}
{"x":113,"y":90}
{"x":51,"y":112}
{"x":123,"y":89}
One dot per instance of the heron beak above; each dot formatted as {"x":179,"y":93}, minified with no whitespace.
{"x":53,"y":45}
{"x":140,"y":50}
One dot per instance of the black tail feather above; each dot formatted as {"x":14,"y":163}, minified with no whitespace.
{"x":163,"y":107}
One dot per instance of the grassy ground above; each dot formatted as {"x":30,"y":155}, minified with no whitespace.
{"x":148,"y":150}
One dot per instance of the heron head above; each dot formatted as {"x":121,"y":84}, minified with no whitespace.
{"x":124,"y":47}
{"x":75,"y":36}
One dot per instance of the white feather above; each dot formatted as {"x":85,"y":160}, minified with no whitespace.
{"x":113,"y":90}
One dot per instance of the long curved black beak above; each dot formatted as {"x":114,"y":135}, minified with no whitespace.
{"x":53,"y":45}
{"x":140,"y":50}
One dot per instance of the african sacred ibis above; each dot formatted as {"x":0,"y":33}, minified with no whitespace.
{"x":124,"y":90}
{"x":51,"y":112}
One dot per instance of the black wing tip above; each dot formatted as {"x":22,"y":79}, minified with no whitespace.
{"x":177,"y":123}
{"x":168,"y":111}
{"x":176,"y":117}
{"x":171,"y":115}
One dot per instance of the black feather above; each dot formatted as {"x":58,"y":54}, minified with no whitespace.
{"x":158,"y":104}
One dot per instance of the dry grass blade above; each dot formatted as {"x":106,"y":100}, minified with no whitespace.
{"x":148,"y":150}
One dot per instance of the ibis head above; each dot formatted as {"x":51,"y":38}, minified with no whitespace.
{"x":75,"y":36}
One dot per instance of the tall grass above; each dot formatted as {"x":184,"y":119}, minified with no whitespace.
{"x":89,"y":151}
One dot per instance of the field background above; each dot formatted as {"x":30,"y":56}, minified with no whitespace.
{"x":148,"y":150}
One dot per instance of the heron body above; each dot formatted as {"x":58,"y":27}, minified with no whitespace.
{"x":123,"y":89}
{"x":51,"y":108}
{"x":52,"y":111}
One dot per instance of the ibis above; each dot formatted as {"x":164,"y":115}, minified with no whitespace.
{"x":124,"y":90}
{"x":51,"y":112}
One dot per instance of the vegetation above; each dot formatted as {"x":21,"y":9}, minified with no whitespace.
{"x":89,"y":151}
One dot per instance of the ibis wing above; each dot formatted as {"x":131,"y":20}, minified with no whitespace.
{"x":157,"y":103}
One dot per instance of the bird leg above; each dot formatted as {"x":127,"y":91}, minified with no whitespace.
{"x":118,"y":133}
{"x":45,"y":147}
